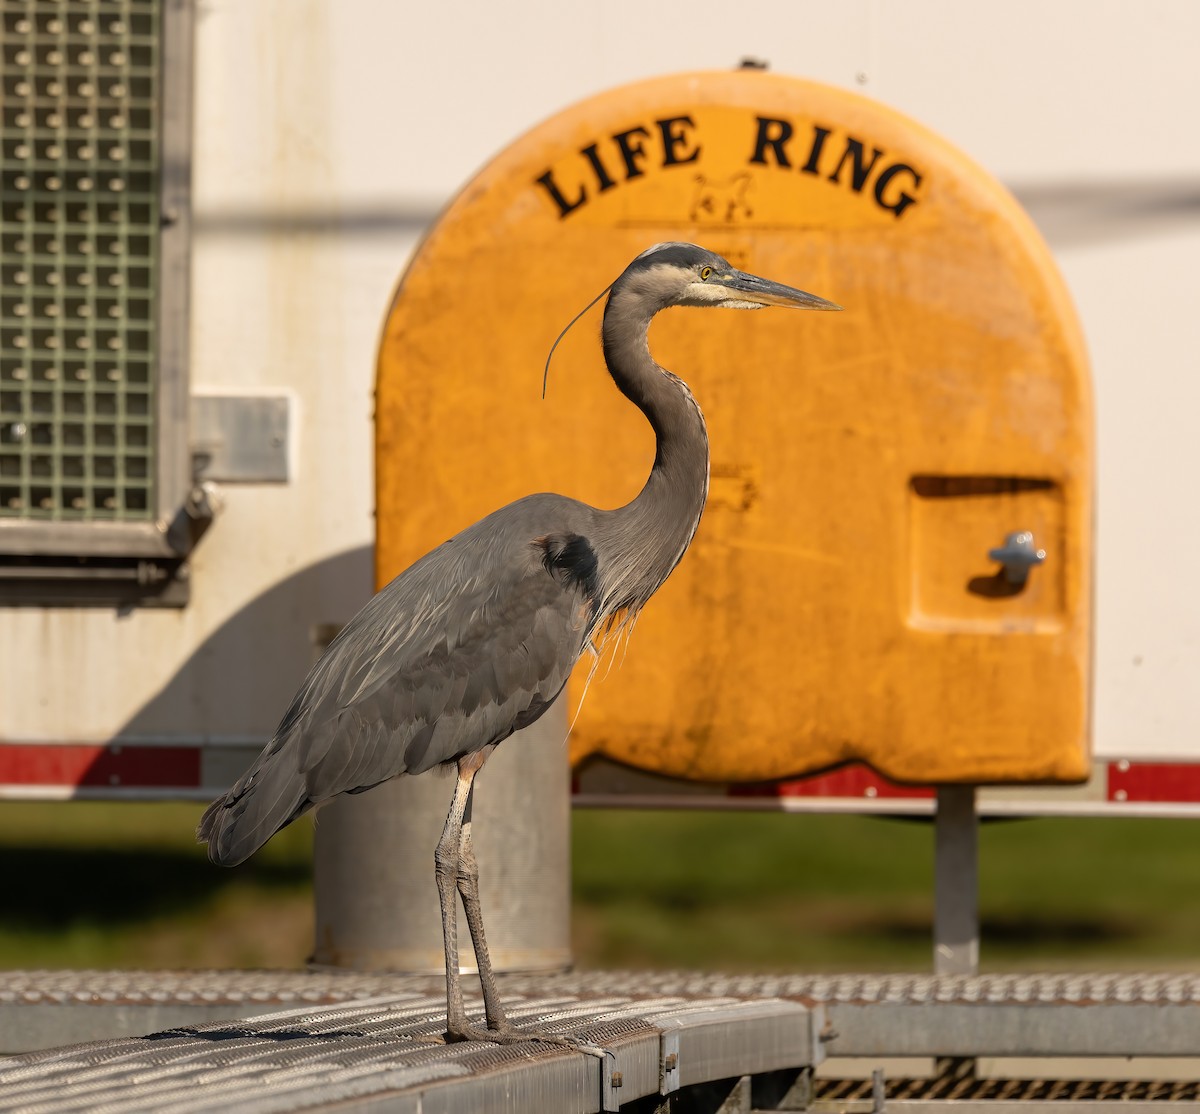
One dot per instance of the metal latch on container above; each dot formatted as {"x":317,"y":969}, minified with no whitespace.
{"x":1018,"y":555}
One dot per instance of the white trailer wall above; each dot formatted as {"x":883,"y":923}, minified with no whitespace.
{"x":328,"y":133}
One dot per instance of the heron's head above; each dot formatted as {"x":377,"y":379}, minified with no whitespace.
{"x":676,"y":274}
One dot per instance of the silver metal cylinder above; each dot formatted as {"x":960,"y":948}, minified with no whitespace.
{"x":376,"y":899}
{"x":956,"y":882}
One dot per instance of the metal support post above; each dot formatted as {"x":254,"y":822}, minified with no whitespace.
{"x":956,"y":882}
{"x":376,"y":898}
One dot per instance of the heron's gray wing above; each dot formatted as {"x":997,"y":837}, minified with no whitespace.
{"x":468,"y":645}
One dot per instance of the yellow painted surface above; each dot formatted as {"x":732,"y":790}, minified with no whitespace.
{"x":837,"y":602}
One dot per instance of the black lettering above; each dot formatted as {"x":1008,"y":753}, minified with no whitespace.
{"x":782,"y":133}
{"x":905,"y":199}
{"x":546,"y":181}
{"x":858,"y":173}
{"x":673,"y":138}
{"x":631,"y":152}
{"x":814,"y":153}
{"x":602,"y":178}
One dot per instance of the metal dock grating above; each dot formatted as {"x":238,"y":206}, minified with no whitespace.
{"x":390,"y":1049}
{"x":322,"y":985}
{"x":662,"y":1041}
{"x":958,"y":1090}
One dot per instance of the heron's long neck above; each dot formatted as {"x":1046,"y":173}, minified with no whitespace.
{"x":644,"y":540}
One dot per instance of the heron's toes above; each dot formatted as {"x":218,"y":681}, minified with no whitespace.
{"x":504,"y":1034}
{"x":468,"y":1032}
{"x":510,"y":1034}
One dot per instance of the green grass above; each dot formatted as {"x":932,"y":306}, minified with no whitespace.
{"x":124,"y":885}
{"x":766,"y":891}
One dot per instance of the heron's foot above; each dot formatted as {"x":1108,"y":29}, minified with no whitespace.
{"x":465,"y":1031}
{"x":507,"y":1033}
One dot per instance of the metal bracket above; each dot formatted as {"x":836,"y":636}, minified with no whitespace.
{"x":670,"y":1062}
{"x":92,"y":581}
{"x":240,"y":439}
{"x":878,"y":1091}
{"x":774,"y":1034}
{"x":611,"y":1081}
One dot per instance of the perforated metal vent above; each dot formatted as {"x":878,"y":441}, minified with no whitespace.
{"x":78,"y":282}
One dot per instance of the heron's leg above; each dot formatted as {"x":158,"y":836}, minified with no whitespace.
{"x":468,"y":888}
{"x":499,"y":1028}
{"x":445,"y":859}
{"x":457,"y":869}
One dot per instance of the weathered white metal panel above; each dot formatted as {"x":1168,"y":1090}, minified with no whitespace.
{"x":327,"y":135}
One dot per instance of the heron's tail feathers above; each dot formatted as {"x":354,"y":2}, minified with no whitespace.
{"x":269,"y":796}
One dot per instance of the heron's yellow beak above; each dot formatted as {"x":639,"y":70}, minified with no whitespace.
{"x":764,"y":292}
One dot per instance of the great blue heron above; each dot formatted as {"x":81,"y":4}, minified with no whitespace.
{"x":477,"y":639}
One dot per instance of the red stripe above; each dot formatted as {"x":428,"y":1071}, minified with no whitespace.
{"x":116,"y":765}
{"x":1177,"y":782}
{"x":847,"y":781}
{"x":128,"y":766}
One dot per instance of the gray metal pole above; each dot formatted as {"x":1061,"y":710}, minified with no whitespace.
{"x":376,"y":899}
{"x":956,"y":882}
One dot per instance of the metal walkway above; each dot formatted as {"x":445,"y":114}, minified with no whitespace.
{"x":670,"y":1041}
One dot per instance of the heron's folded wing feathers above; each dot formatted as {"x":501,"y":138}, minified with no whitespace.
{"x":439,"y":664}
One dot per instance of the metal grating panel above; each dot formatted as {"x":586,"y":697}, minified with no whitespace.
{"x":78,"y":271}
{"x":387,"y":1052}
{"x":838,"y":1092}
{"x":351,"y":1040}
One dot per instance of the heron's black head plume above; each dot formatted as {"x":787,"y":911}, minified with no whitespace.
{"x":546,"y":370}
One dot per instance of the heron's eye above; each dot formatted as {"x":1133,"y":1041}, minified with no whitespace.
{"x":705,"y":272}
